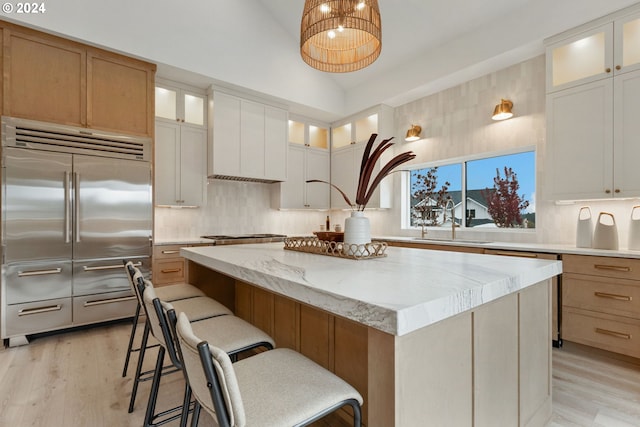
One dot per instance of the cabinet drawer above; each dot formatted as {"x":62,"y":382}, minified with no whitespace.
{"x":167,"y":251}
{"x":623,"y":268}
{"x":33,"y":317}
{"x":102,"y":307}
{"x":611,"y":333}
{"x":169,"y":271}
{"x":614,"y":296}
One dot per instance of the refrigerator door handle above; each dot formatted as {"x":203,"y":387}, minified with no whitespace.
{"x":108,"y":301}
{"x":39,"y":272}
{"x":76,"y":190}
{"x":107,"y":267}
{"x":67,"y":208}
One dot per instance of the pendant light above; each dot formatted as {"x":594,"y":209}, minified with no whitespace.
{"x":340,"y":36}
{"x":503,"y":110}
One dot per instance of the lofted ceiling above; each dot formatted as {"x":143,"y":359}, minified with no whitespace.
{"x":253,"y":45}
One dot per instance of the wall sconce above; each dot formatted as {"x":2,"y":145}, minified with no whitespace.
{"x":503,"y":110}
{"x":413,"y":134}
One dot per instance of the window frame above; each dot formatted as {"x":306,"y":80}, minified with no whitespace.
{"x":406,"y":187}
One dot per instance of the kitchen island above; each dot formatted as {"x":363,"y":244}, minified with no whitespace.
{"x":427,"y":337}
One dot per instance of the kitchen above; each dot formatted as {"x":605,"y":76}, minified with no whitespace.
{"x":246,"y":207}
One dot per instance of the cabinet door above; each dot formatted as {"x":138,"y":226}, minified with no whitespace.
{"x":252,"y":153}
{"x":627,"y":44}
{"x":275,"y":143}
{"x":626,"y":135}
{"x":317,"y":165}
{"x":193,"y":154}
{"x":167,"y":162}
{"x":580,"y":141}
{"x":342,"y":176}
{"x":292,"y":190}
{"x":47,"y":81}
{"x":226,"y":135}
{"x":120,"y":94}
{"x":583,"y":58}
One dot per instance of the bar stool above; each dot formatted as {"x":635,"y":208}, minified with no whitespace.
{"x":234,"y":334}
{"x":274,"y":388}
{"x":201,"y":307}
{"x":166,"y":293}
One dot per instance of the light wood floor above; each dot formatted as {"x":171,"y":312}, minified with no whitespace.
{"x":74,"y":380}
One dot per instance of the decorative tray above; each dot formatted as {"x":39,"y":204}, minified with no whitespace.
{"x":313,"y":245}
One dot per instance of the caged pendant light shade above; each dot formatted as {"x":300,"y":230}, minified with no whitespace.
{"x":340,"y":36}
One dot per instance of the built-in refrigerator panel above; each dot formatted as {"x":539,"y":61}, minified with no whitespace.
{"x":37,"y":217}
{"x":113,"y":208}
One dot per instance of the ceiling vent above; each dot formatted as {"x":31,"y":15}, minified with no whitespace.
{"x":69,"y":139}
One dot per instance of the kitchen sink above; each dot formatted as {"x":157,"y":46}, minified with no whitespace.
{"x":438,"y":240}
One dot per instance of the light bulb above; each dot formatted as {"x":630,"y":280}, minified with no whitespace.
{"x":331,"y":34}
{"x":360,"y":5}
{"x":324,"y":8}
{"x":340,"y":28}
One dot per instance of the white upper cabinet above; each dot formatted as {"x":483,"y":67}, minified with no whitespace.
{"x":249,"y":139}
{"x":308,"y":158}
{"x":179,"y":104}
{"x":596,"y":52}
{"x":348,"y":142}
{"x":592,"y":117}
{"x":180,"y":165}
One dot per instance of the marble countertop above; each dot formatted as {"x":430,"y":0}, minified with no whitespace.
{"x":400,"y":293}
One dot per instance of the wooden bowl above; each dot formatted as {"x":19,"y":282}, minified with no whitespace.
{"x":330,"y":236}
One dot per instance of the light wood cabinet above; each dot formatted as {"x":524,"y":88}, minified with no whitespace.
{"x":46,"y":79}
{"x":555,"y":289}
{"x":600,"y":303}
{"x":168,"y":266}
{"x":249,"y":139}
{"x":52,"y":79}
{"x":120,"y":93}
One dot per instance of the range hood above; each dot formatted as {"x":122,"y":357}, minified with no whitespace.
{"x":242,"y":179}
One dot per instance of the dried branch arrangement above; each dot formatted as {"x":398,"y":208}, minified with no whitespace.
{"x":370,"y":157}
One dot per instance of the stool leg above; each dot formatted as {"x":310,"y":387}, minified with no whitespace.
{"x":185,"y":405}
{"x":155,"y":385}
{"x":133,"y":334}
{"x":196,"y":415}
{"x":136,"y":379}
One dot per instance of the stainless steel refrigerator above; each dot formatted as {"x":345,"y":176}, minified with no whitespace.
{"x":75,"y":203}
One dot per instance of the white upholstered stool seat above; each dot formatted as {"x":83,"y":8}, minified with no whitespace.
{"x":275,"y":388}
{"x":199,"y":308}
{"x":178,"y":291}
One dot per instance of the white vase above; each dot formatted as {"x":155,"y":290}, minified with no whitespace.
{"x":584,"y":229}
{"x":605,"y":236}
{"x":634,"y":230}
{"x":357,"y":230}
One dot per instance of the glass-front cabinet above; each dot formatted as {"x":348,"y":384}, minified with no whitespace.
{"x":598,"y":52}
{"x":307,"y":158}
{"x":348,"y":141}
{"x":180,"y":145}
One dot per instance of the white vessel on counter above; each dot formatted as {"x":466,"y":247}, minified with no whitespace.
{"x":584,"y":229}
{"x":634,"y":229}
{"x":605,"y":235}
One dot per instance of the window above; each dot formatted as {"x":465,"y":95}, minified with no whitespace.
{"x":491,"y":192}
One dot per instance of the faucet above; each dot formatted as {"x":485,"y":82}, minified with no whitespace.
{"x":453,"y":216}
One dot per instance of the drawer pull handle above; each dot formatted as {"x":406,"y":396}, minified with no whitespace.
{"x":611,"y":267}
{"x":28,"y":311}
{"x":108,"y":301}
{"x":39,"y":272}
{"x":517,"y":254}
{"x":108,"y":267}
{"x":613,"y":333}
{"x":172,"y":252}
{"x":171,"y":270}
{"x":612,"y":296}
